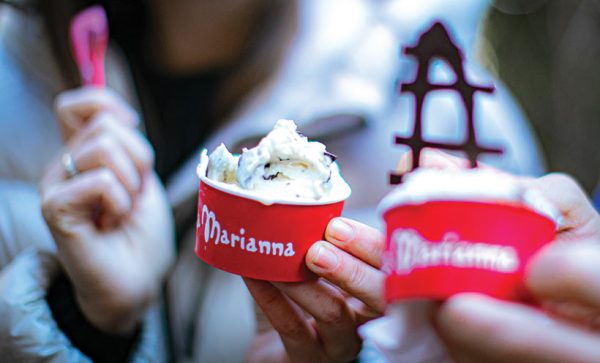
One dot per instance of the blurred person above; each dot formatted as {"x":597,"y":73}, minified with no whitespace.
{"x":546,"y":53}
{"x":201,"y":73}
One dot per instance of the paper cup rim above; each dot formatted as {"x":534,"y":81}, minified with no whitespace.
{"x":500,"y":203}
{"x":201,"y":171}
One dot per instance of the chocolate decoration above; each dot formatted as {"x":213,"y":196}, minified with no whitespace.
{"x":333,"y":157}
{"x":437,"y":43}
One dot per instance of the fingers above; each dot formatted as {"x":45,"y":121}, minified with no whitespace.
{"x":351,"y":261}
{"x":110,"y":150}
{"x":481,"y":329}
{"x":351,"y":274}
{"x":132,"y":141}
{"x":564,"y":276}
{"x":75,"y":108}
{"x":574,"y":313}
{"x":358,"y":239}
{"x":567,"y":272}
{"x":335,"y":321}
{"x":297,"y":334}
{"x":96,"y":195}
{"x":104,"y":151}
{"x":106,"y":142}
{"x":580,"y":217}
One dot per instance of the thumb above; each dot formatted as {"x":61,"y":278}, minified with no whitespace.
{"x":580,"y":219}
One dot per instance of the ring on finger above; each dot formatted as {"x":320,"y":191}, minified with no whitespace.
{"x":69,"y":165}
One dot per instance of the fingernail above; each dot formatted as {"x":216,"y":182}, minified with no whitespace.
{"x":325,"y":258}
{"x":340,"y":230}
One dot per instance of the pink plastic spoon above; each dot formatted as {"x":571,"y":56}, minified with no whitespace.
{"x":89,"y":38}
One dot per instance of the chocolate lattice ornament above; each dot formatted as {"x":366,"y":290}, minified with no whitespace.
{"x":436,"y":43}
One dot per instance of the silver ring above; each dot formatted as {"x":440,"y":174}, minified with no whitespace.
{"x":69,"y":165}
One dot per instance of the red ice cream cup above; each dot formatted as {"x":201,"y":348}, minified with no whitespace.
{"x":247,"y":237}
{"x":438,"y":248}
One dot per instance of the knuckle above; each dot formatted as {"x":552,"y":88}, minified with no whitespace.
{"x":62,"y":112}
{"x":108,"y":151}
{"x":101,"y":122}
{"x":575,"y":266}
{"x":110,"y":96}
{"x":376,"y":244}
{"x":94,"y":95}
{"x":134,"y":115}
{"x":567,"y":195}
{"x":50,"y":202}
{"x":572,"y":266}
{"x":63,"y":101}
{"x":54,"y":211}
{"x":268,"y":298}
{"x":563,"y":181}
{"x":147,"y":156}
{"x":48,"y":208}
{"x":106,"y":179}
{"x":105,"y":142}
{"x":116,"y":100}
{"x":291,"y":330}
{"x":106,"y":146}
{"x":335,"y":311}
{"x":357,"y":275}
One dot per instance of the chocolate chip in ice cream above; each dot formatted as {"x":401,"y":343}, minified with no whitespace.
{"x":333,"y":157}
{"x":284,"y":164}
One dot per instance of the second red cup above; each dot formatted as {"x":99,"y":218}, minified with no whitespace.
{"x":439,"y":248}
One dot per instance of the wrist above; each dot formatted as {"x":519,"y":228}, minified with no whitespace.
{"x":111,"y":317}
{"x":112,"y":313}
{"x":99,"y":345}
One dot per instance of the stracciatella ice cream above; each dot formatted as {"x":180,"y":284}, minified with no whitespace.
{"x":284,"y":167}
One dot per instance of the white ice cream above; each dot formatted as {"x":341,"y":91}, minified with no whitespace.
{"x":283,"y":167}
{"x":476,"y":184}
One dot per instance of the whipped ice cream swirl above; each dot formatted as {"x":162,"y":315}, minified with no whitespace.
{"x":285,"y":165}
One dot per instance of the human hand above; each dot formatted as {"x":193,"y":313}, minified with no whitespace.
{"x":317,"y":320}
{"x":75,"y":108}
{"x":111,"y":221}
{"x":562,"y":277}
{"x":476,"y":328}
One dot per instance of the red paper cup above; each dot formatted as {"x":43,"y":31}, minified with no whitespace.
{"x":246,"y":237}
{"x":439,"y":248}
